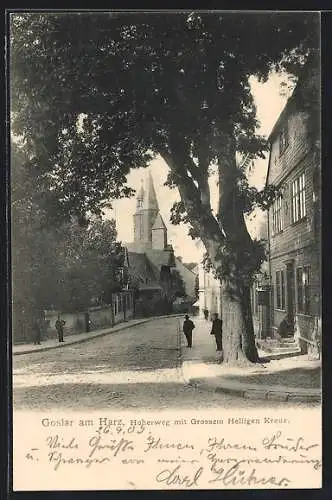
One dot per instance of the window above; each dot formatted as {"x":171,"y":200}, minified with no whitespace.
{"x":298,"y":199}
{"x":280,"y":289}
{"x":302,"y":288}
{"x":277,"y":216}
{"x":283,"y":138}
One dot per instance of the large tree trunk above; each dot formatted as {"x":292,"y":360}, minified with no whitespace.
{"x":234,"y":325}
{"x":228,"y":231}
{"x":249,"y":344}
{"x":238,"y":331}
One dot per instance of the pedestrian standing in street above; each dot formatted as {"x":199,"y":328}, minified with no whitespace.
{"x":37,"y":331}
{"x":188,"y":327}
{"x":216,"y":330}
{"x":59,"y":324}
{"x":206,"y":314}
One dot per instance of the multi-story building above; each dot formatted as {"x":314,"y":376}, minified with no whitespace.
{"x":294,"y":218}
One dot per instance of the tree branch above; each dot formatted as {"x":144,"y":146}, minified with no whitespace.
{"x":203,"y":222}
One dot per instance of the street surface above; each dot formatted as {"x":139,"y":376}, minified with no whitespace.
{"x":139,"y":367}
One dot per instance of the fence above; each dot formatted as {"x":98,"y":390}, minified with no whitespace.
{"x":95,"y":318}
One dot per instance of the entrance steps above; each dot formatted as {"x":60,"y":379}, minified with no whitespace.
{"x":279,"y":348}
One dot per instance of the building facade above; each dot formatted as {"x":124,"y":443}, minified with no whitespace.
{"x":294,"y":218}
{"x":209,"y":293}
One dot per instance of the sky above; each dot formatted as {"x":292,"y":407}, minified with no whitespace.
{"x":269,"y":105}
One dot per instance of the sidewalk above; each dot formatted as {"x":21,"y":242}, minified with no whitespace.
{"x":290,"y":379}
{"x":81,"y":337}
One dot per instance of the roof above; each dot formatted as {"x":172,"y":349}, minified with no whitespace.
{"x":308,"y":72}
{"x":183,"y":269}
{"x":159,"y":223}
{"x":188,"y":277}
{"x":141,"y":269}
{"x":150,"y":198}
{"x":195,"y":269}
{"x":160,"y":258}
{"x":140,"y":195}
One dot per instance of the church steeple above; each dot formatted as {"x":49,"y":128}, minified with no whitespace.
{"x":146,"y":212}
{"x":140,"y":197}
{"x":150,"y":198}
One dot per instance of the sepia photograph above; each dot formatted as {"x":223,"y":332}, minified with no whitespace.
{"x":166,"y":249}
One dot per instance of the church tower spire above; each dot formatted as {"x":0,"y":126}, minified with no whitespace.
{"x":147,"y":210}
{"x":140,"y":197}
{"x":150,"y":198}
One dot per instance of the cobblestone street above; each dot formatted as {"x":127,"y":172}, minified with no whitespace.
{"x":139,"y":367}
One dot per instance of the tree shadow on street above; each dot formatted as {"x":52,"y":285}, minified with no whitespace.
{"x":302,"y":377}
{"x":84,"y":396}
{"x":141,"y":357}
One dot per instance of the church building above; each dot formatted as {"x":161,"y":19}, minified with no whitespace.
{"x":153,"y":269}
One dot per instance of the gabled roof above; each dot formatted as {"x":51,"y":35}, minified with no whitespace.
{"x":183,"y":268}
{"x":161,"y":258}
{"x":308,"y":71}
{"x":159,"y":223}
{"x":195,"y":269}
{"x":141,"y":269}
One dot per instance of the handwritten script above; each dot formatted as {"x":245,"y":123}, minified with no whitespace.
{"x":170,"y":454}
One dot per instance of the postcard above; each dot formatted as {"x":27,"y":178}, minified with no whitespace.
{"x":166,"y":245}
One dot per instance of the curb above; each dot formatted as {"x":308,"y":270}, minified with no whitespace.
{"x":109,"y":331}
{"x":270,"y":356}
{"x":266,"y":394}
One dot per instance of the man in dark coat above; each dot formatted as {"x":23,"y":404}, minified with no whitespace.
{"x":37,"y":331}
{"x":217,"y":331}
{"x":59,"y":324}
{"x":188,"y":327}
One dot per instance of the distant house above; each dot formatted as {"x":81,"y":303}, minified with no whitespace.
{"x":209,"y":292}
{"x":294,"y":218}
{"x":151,"y":260}
{"x":189,"y":277}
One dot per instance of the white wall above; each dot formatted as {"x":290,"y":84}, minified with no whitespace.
{"x":209,"y":292}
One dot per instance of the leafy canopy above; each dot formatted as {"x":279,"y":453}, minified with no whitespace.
{"x":94,"y":95}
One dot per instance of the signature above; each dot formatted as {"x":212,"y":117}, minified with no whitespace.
{"x":235,"y":475}
{"x":176,"y":477}
{"x":278,"y":441}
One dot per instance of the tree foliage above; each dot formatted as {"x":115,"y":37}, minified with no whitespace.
{"x":144,"y":83}
{"x":66,"y":267}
